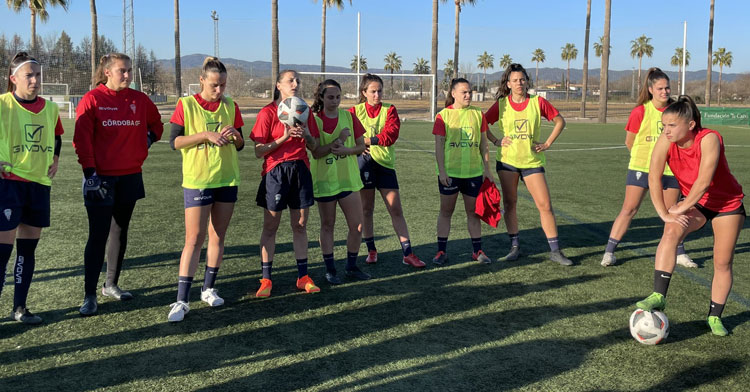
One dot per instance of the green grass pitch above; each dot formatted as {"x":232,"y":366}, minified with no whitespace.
{"x":524,"y":325}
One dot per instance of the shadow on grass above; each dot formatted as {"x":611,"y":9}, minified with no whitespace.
{"x":702,"y":374}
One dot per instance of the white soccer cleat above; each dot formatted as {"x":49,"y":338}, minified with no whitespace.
{"x":609,"y":259}
{"x":211,"y":297}
{"x":178,"y":311}
{"x":685,"y":261}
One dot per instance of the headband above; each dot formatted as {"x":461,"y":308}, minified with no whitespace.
{"x":22,"y":64}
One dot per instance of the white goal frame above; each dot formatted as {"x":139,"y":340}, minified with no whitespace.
{"x":190,"y":88}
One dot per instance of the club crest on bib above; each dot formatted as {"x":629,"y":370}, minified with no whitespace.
{"x":7,"y":213}
{"x":132,"y":107}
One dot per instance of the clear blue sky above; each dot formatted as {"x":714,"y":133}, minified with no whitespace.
{"x":404,"y":26}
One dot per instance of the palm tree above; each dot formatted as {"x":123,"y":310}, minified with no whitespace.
{"x":586,"y":60}
{"x":177,"y":56}
{"x":362,"y":63}
{"x":677,"y":60}
{"x":505,"y":61}
{"x":538,"y":57}
{"x":275,"y":42}
{"x":36,"y":7}
{"x":392,"y":63}
{"x":327,"y":4}
{"x":569,"y":52}
{"x":421,"y":68}
{"x":722,"y":58}
{"x":94,"y":39}
{"x":484,"y":61}
{"x":458,"y":4}
{"x":604,"y":76}
{"x":434,"y":58}
{"x":640,"y":47}
{"x":710,"y":46}
{"x":448,"y":70}
{"x":599,"y":47}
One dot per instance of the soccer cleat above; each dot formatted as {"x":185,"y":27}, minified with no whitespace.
{"x":717,"y":327}
{"x":413,"y":261}
{"x":265,"y":288}
{"x":89,"y":306}
{"x":372,"y":257}
{"x":685,"y":261}
{"x":655,"y":301}
{"x":558,"y":257}
{"x":178,"y":311}
{"x":23,"y":315}
{"x":332,"y":278}
{"x":116,"y":293}
{"x":440,"y":258}
{"x":608,"y":259}
{"x":513,"y":255}
{"x":211,"y":297}
{"x":306,"y":283}
{"x":356,"y":273}
{"x":481,"y":257}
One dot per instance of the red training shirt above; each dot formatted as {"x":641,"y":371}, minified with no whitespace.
{"x":724,"y":193}
{"x":390,"y":131}
{"x":545,"y":109}
{"x":111,"y":130}
{"x":268,"y":128}
{"x":178,"y":117}
{"x":329,"y":125}
{"x":438,"y":128}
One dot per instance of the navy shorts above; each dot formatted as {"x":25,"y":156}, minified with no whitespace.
{"x":125,"y":189}
{"x":375,"y":175}
{"x":467,"y":186}
{"x":711,"y":214}
{"x":640,"y":179}
{"x":338,"y":196}
{"x":288,"y":184}
{"x":500,"y":166}
{"x":23,"y":202}
{"x":206,"y":197}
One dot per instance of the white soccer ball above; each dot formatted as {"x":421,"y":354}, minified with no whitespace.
{"x":649,"y":327}
{"x":293,"y":111}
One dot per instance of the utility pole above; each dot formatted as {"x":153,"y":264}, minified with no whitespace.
{"x":128,"y":35}
{"x":215,"y":17}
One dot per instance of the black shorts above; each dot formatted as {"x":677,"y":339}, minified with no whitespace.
{"x":375,"y":175}
{"x":710,"y":214}
{"x":338,"y":196}
{"x":640,"y":179}
{"x":206,"y":197}
{"x":288,"y":184}
{"x":23,"y":202}
{"x":500,"y":166}
{"x":125,"y":189}
{"x":467,"y":186}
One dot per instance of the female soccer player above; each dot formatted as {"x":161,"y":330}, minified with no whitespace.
{"x":336,"y":176}
{"x":286,"y":182}
{"x":462,"y":155}
{"x":376,"y":166}
{"x":28,"y":158}
{"x":207,"y":129}
{"x":643,"y":128}
{"x":696,"y":157}
{"x":115,"y":126}
{"x":521,"y":155}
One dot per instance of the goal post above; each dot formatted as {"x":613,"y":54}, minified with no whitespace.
{"x":405,"y":90}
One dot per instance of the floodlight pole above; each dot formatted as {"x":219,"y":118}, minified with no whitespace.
{"x":215,"y":17}
{"x":359,"y":20}
{"x":684,"y":56}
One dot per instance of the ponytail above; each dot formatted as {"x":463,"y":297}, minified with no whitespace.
{"x":652,"y":76}
{"x":503,"y":90}
{"x":105,"y":62}
{"x":366,"y":80}
{"x":449,"y":100}
{"x":685,"y":109}
{"x":276,"y":92}
{"x":18,"y":60}
{"x":317,"y":106}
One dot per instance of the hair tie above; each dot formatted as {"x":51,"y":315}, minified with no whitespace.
{"x":21,"y":65}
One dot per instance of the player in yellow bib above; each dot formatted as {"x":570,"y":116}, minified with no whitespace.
{"x":643,"y":129}
{"x":207,"y":129}
{"x":521,"y":155}
{"x":462,"y":155}
{"x":336,"y":176}
{"x":377,"y":166}
{"x":29,"y":151}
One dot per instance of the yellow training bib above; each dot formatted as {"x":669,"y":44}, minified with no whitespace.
{"x":523,"y":128}
{"x":463,"y":134}
{"x":373,"y":126}
{"x":333,"y":174}
{"x":645,"y":139}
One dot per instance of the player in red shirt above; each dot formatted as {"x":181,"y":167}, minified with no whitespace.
{"x":115,"y":127}
{"x":28,"y":161}
{"x":696,"y":157}
{"x":286,"y":181}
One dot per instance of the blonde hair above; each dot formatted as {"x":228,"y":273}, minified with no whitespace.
{"x":105,"y":62}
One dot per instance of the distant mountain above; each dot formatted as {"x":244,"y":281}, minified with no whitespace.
{"x":263,"y":69}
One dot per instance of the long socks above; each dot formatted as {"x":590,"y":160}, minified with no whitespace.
{"x":266,"y":269}
{"x":661,"y":282}
{"x":442,"y":243}
{"x":351,"y":260}
{"x":370,"y":242}
{"x":183,"y":288}
{"x":611,"y":245}
{"x":121,"y":214}
{"x":301,"y":267}
{"x":209,"y":278}
{"x":24,"y":270}
{"x":330,"y":266}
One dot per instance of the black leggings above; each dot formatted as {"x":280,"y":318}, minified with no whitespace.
{"x":100,"y":219}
